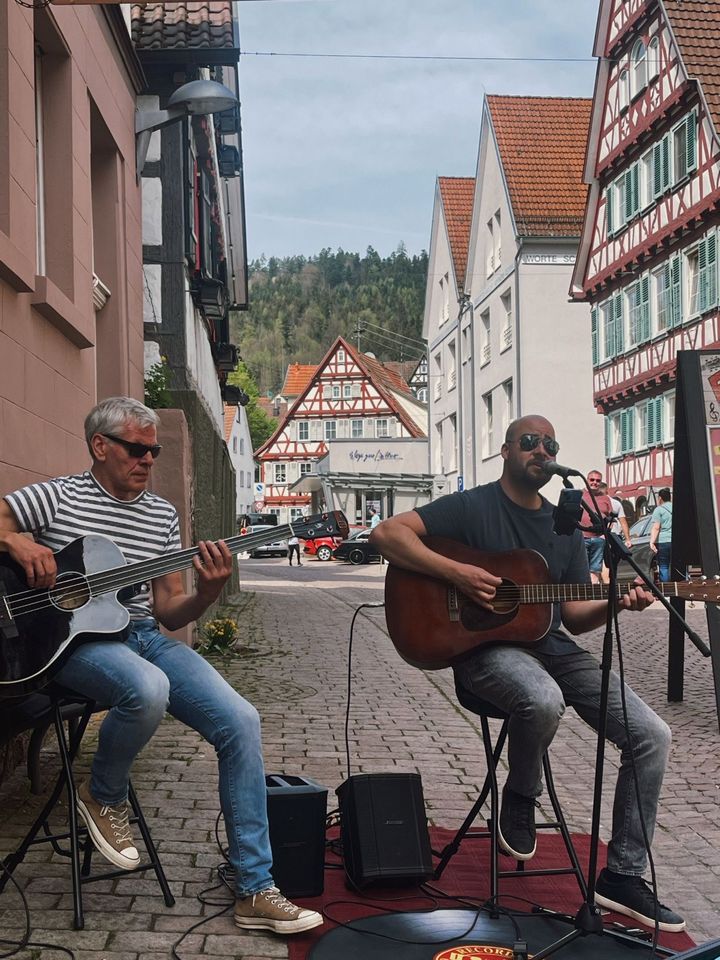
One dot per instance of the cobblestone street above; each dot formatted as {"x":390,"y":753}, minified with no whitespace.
{"x":294,"y":666}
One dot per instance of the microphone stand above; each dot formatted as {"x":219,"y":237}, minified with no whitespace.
{"x":588,"y":919}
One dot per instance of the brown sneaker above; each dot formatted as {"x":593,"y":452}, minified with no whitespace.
{"x":109,"y":829}
{"x":270,"y":910}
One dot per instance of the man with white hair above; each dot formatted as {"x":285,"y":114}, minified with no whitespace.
{"x":142,"y":676}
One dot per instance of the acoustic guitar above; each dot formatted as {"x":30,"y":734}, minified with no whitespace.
{"x":39,"y":629}
{"x":432,"y":624}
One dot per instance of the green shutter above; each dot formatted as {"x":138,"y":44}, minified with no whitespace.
{"x":609,"y":213}
{"x":650,"y":425}
{"x":659,"y":419}
{"x":676,"y":292}
{"x":594,"y":335}
{"x":608,"y":438}
{"x":711,"y":271}
{"x":619,"y":323}
{"x":691,"y":142}
{"x":609,"y":315}
{"x":643,"y":332}
{"x":664,"y":163}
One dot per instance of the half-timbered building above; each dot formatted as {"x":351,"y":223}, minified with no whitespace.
{"x":351,"y":398}
{"x":648,"y":257}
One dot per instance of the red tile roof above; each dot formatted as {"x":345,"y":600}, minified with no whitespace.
{"x":457,"y":195}
{"x":190,"y":25}
{"x":542,"y":143}
{"x":230,"y":413}
{"x":297,"y":377}
{"x":696,"y":26}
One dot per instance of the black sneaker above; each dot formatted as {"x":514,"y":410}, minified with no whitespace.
{"x":516,"y":834}
{"x":634,"y":897}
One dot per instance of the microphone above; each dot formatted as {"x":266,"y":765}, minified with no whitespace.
{"x":554,"y":469}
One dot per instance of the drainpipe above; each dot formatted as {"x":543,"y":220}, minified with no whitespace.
{"x":465,"y":305}
{"x":516,"y":345}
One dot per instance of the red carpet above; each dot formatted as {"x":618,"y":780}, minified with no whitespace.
{"x":467,"y":875}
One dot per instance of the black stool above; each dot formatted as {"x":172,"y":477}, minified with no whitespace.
{"x":69,"y":714}
{"x":485,"y":710}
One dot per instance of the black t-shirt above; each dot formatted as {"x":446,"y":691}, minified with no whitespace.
{"x":486,"y":519}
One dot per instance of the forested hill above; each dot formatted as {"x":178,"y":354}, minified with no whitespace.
{"x":300,"y":305}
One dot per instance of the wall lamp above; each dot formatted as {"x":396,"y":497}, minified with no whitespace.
{"x":193,"y":98}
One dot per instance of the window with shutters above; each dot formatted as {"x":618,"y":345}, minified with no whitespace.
{"x":647,"y":179}
{"x":692,"y":281}
{"x":303,"y":430}
{"x":610,"y":215}
{"x":607,"y":330}
{"x":347,"y":391}
{"x":707,"y":273}
{"x":631,"y":192}
{"x":356,"y":429}
{"x":637,"y":311}
{"x":668,"y":426}
{"x":627,"y":430}
{"x":280,"y":473}
{"x":638,"y":69}
{"x":336,"y":391}
{"x":330,"y":429}
{"x":613,"y":438}
{"x":661,"y":166}
{"x":684,"y":148}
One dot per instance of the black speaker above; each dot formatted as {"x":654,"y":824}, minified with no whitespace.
{"x":297,"y":809}
{"x":384,"y":829}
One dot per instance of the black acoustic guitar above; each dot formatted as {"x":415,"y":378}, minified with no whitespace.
{"x":39,"y":629}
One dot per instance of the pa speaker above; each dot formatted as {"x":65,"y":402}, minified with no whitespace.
{"x":384,"y":829}
{"x":296,"y":815}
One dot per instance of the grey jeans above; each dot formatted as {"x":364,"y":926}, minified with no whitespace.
{"x":534,"y":689}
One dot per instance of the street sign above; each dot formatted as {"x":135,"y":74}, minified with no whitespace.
{"x":461,"y":483}
{"x":259,"y":504}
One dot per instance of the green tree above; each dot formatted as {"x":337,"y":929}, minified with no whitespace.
{"x":261,"y":425}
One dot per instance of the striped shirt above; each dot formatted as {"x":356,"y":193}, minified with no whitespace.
{"x":61,"y":510}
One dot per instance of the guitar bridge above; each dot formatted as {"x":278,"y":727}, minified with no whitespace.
{"x":453,"y":605}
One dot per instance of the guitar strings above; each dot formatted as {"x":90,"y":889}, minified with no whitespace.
{"x":32,"y":601}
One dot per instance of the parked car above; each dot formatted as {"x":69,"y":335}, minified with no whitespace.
{"x":277,"y":548}
{"x":356,"y":549}
{"x":321,"y":547}
{"x":640,"y":530}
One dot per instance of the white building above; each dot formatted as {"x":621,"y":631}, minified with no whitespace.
{"x":503,"y":339}
{"x":239,"y":444}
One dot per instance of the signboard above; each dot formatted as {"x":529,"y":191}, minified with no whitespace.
{"x":259,"y":489}
{"x":259,"y":504}
{"x":460,"y":483}
{"x":696,"y":496}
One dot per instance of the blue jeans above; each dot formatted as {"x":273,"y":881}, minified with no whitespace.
{"x":534,"y":688}
{"x":595,"y":547}
{"x":140,"y":680}
{"x":663,"y":560}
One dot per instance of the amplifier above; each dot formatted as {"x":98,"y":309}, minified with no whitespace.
{"x":297,"y":808}
{"x":384,"y":828}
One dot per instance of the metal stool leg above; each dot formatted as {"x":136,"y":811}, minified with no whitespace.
{"x":150,"y":846}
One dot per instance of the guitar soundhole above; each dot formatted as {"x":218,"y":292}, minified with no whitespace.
{"x":70,"y":592}
{"x":506,"y":603}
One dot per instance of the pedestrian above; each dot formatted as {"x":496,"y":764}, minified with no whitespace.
{"x":534,"y":686}
{"x":661,"y":532}
{"x":142,"y":676}
{"x":294,"y":549}
{"x":594,"y":540}
{"x":374,"y":517}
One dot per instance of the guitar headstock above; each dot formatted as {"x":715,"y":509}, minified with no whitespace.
{"x":698,"y":587}
{"x":332,"y":524}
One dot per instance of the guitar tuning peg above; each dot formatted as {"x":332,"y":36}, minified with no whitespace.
{"x":703,"y":577}
{"x":716,"y":577}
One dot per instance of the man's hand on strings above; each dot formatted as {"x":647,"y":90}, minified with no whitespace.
{"x":637,"y":598}
{"x":476,"y":583}
{"x":38,"y":562}
{"x":214,"y":567}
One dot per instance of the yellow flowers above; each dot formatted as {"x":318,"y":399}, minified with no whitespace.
{"x":218,"y":635}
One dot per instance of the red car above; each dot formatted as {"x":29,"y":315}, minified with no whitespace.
{"x":321,"y":547}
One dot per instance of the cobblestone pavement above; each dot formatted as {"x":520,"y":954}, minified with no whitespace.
{"x":293,"y":666}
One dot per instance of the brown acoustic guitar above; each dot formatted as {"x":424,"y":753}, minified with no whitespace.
{"x":431,"y":623}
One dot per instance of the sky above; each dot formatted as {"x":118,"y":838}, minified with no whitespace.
{"x":345,"y":152}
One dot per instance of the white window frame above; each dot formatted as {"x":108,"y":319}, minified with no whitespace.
{"x":485,"y":348}
{"x":335,"y":391}
{"x":347,"y":391}
{"x":382,"y":428}
{"x":487,"y":442}
{"x":638,"y":69}
{"x":330,"y":429}
{"x":305,"y":467}
{"x":303,"y":430}
{"x":507,"y":327}
{"x":357,"y":429}
{"x":623,"y":89}
{"x":653,"y":58}
{"x":279,"y":473}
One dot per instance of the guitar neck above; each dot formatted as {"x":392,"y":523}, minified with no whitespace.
{"x":109,"y":581}
{"x":560,"y":592}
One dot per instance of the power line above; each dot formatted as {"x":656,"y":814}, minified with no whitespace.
{"x":368,"y":324}
{"x":413,"y":56}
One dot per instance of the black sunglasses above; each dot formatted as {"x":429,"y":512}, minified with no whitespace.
{"x":135,"y":449}
{"x":531,"y":441}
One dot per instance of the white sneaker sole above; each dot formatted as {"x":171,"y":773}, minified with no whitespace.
{"x":117,"y":859}
{"x":502,"y":842}
{"x":607,"y":904}
{"x":279,"y":926}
